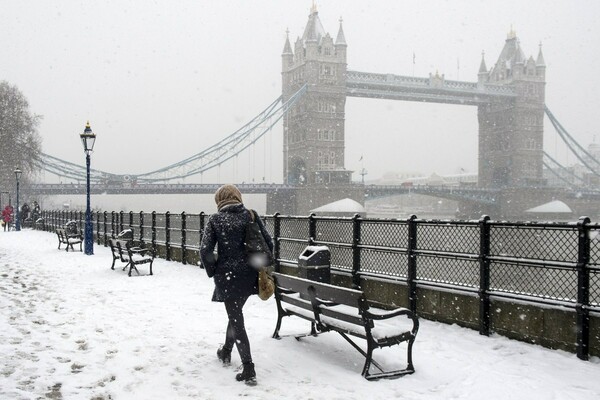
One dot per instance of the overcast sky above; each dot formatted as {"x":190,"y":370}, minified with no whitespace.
{"x":162,"y":80}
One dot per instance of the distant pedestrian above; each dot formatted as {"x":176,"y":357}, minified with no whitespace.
{"x":7,"y":217}
{"x":234,"y":279}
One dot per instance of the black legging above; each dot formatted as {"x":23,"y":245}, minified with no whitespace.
{"x":236,"y":331}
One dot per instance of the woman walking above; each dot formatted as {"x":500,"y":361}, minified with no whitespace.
{"x":234,"y":279}
{"x":7,"y":217}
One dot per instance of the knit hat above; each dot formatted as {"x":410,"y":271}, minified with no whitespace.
{"x":227,"y":195}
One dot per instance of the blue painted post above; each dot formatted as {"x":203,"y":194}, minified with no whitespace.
{"x":89,"y":230}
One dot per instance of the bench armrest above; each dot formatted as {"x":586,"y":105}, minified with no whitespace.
{"x":142,"y":250}
{"x":386,"y":314}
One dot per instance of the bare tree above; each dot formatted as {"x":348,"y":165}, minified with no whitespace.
{"x":20,"y":143}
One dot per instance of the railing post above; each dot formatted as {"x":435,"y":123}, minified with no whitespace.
{"x":141,"y":230}
{"x":201,"y":236}
{"x":112,"y":224}
{"x":412,"y":263}
{"x":312,"y":229}
{"x":153,"y":227}
{"x":583,"y":289}
{"x":130,"y":219}
{"x":183,"y":238}
{"x":105,"y":230}
{"x":484,"y":276}
{"x":356,"y":223}
{"x":98,"y":228}
{"x":121,"y":217}
{"x":276,"y":243}
{"x":168,"y":235}
{"x":80,"y":221}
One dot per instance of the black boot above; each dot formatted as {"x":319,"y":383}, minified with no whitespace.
{"x":224,"y":354}
{"x":248,"y":375}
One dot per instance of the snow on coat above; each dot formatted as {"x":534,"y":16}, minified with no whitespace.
{"x":227,"y":230}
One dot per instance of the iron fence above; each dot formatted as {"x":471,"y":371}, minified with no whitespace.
{"x":549,"y":263}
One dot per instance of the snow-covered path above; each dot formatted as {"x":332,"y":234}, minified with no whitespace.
{"x":71,"y":328}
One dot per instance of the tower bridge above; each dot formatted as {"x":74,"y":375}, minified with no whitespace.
{"x":510,"y":101}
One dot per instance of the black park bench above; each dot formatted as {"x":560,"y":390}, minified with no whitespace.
{"x":347,"y":312}
{"x":68,"y":238}
{"x":124,"y":250}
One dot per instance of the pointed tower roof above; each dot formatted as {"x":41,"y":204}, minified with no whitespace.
{"x":540,"y":58}
{"x":482,"y":66}
{"x":287,"y":48}
{"x":314,"y":30}
{"x":341,"y":39}
{"x":512,"y":53}
{"x":519,"y":56}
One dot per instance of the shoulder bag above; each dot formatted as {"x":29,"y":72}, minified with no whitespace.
{"x":259,"y":257}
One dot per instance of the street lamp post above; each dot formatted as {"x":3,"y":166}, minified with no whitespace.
{"x":18,"y":173}
{"x":88,"y":138}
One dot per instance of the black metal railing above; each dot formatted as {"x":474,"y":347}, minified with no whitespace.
{"x":545,"y":263}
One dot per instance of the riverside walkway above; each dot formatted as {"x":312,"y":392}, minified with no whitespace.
{"x":71,"y":328}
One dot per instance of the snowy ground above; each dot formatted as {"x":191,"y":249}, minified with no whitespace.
{"x":70,"y":328}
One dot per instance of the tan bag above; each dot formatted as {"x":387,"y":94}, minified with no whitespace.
{"x":266,"y":285}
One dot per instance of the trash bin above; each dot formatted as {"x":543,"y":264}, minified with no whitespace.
{"x":315,"y":264}
{"x":125,"y":234}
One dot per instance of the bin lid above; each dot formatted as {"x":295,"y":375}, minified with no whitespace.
{"x":310,"y":251}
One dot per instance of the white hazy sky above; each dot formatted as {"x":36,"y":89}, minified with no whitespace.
{"x":162,"y":80}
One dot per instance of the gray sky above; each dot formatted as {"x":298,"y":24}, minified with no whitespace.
{"x":162,"y":80}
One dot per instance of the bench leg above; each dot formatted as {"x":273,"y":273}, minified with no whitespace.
{"x":132,"y":266}
{"x":388,"y":374}
{"x":113,"y":264}
{"x":409,"y":355}
{"x":151,"y":266}
{"x":313,"y":329}
{"x":277,"y":326}
{"x":368,"y":360}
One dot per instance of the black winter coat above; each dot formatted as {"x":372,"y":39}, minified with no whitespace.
{"x":234,"y":278}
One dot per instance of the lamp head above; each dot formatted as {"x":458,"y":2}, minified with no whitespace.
{"x":88,"y":138}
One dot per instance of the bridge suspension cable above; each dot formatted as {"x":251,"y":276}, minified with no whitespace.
{"x":582,"y":154}
{"x":552,"y":165}
{"x":198,"y":163}
{"x":68,"y":169}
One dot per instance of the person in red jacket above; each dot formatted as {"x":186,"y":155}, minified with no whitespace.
{"x":7,"y":216}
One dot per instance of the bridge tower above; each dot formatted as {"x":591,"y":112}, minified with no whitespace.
{"x":511,"y":131}
{"x":313,"y":130}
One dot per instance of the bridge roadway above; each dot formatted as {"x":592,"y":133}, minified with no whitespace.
{"x":485,"y":196}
